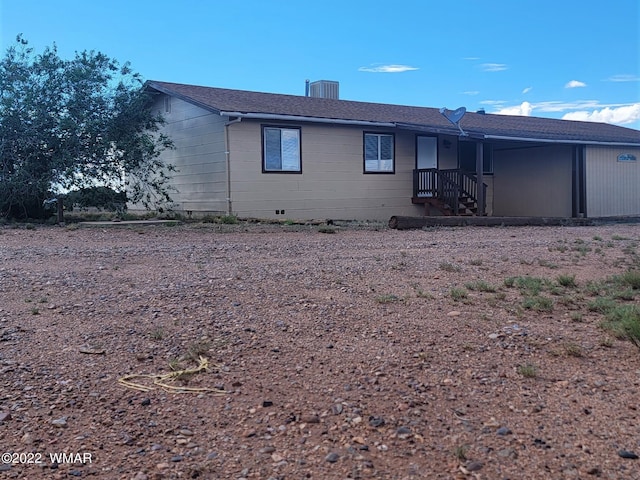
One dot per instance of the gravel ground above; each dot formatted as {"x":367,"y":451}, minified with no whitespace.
{"x":366,"y":353}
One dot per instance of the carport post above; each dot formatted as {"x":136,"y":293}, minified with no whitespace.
{"x":479,"y":177}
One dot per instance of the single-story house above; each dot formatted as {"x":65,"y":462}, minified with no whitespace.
{"x":314,"y":156}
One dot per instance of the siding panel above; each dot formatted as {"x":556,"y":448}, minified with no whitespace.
{"x":201,"y":179}
{"x":533,"y":182}
{"x":332,"y":183}
{"x":612,"y":187}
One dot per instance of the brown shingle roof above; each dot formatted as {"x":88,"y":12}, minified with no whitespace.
{"x":429,"y":119}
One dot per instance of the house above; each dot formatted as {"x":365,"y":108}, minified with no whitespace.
{"x":267,"y":155}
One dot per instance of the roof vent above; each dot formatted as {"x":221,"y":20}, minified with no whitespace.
{"x":481,"y":111}
{"x":325,"y":89}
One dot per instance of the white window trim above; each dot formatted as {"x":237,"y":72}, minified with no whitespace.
{"x":379,"y":160}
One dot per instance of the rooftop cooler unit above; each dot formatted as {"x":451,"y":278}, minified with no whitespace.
{"x":324,"y":89}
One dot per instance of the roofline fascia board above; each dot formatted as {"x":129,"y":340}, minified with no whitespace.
{"x":415,"y":127}
{"x":573,"y":142}
{"x":298,"y":118}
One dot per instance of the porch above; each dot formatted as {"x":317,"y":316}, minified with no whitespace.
{"x":450,"y":191}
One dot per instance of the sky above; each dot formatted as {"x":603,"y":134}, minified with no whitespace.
{"x":559,"y":59}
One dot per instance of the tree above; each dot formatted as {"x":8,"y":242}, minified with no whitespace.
{"x":75,"y":124}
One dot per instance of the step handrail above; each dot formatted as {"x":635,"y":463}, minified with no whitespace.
{"x":448,"y":185}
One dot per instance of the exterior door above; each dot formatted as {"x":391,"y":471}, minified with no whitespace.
{"x":426,"y":157}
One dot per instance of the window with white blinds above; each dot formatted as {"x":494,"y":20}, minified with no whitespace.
{"x":378,"y":153}
{"x":281,"y":149}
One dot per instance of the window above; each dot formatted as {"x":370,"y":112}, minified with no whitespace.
{"x":378,"y":153}
{"x":281,"y":149}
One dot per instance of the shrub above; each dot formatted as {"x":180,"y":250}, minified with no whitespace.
{"x":458,"y":293}
{"x":568,"y":281}
{"x":229,"y":219}
{"x":388,"y":298}
{"x":624,"y":322}
{"x":530,"y":285}
{"x":538,"y":304}
{"x":480,"y":286}
{"x":157,"y":333}
{"x":626,"y":294}
{"x":602,"y":305}
{"x":631,"y":278}
{"x":99,"y":197}
{"x":573,"y":349}
{"x":198,"y":349}
{"x":449,"y":267}
{"x":460,"y":452}
{"x":528,"y":370}
{"x":209,"y":219}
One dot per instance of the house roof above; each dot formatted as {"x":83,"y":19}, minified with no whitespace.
{"x":488,"y":126}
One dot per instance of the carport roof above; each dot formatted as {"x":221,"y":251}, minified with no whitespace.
{"x":241,"y":103}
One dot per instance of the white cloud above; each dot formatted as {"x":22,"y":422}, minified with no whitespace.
{"x":624,"y":78}
{"x":557,"y":106}
{"x":524,"y":109}
{"x":394,"y":68}
{"x":617,"y":115}
{"x":493,"y":67}
{"x":527,"y":90}
{"x":575,"y":84}
{"x":583,"y":110}
{"x":471,"y":92}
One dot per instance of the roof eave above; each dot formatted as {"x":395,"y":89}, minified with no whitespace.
{"x":416,"y":127}
{"x":185,"y":98}
{"x":303,"y":118}
{"x":475,"y":134}
{"x":562,"y":141}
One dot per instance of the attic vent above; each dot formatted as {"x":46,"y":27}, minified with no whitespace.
{"x":324,"y":89}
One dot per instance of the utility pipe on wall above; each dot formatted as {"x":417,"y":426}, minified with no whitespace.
{"x":227,"y":153}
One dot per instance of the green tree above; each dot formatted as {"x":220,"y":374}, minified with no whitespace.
{"x":76,"y":124}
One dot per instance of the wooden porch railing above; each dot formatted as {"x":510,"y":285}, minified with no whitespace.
{"x":448,"y":185}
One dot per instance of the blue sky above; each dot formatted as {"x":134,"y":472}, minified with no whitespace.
{"x":559,"y":59}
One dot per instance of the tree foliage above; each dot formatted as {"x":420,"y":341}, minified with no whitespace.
{"x":102,"y":198}
{"x":75,"y":124}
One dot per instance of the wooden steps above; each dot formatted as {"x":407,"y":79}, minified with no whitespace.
{"x":448,"y":192}
{"x":466,"y":206}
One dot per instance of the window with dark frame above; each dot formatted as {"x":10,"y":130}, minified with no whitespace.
{"x":281,"y":149}
{"x":379,"y":153}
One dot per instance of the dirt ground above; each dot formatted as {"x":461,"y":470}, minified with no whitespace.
{"x":333,"y":353}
